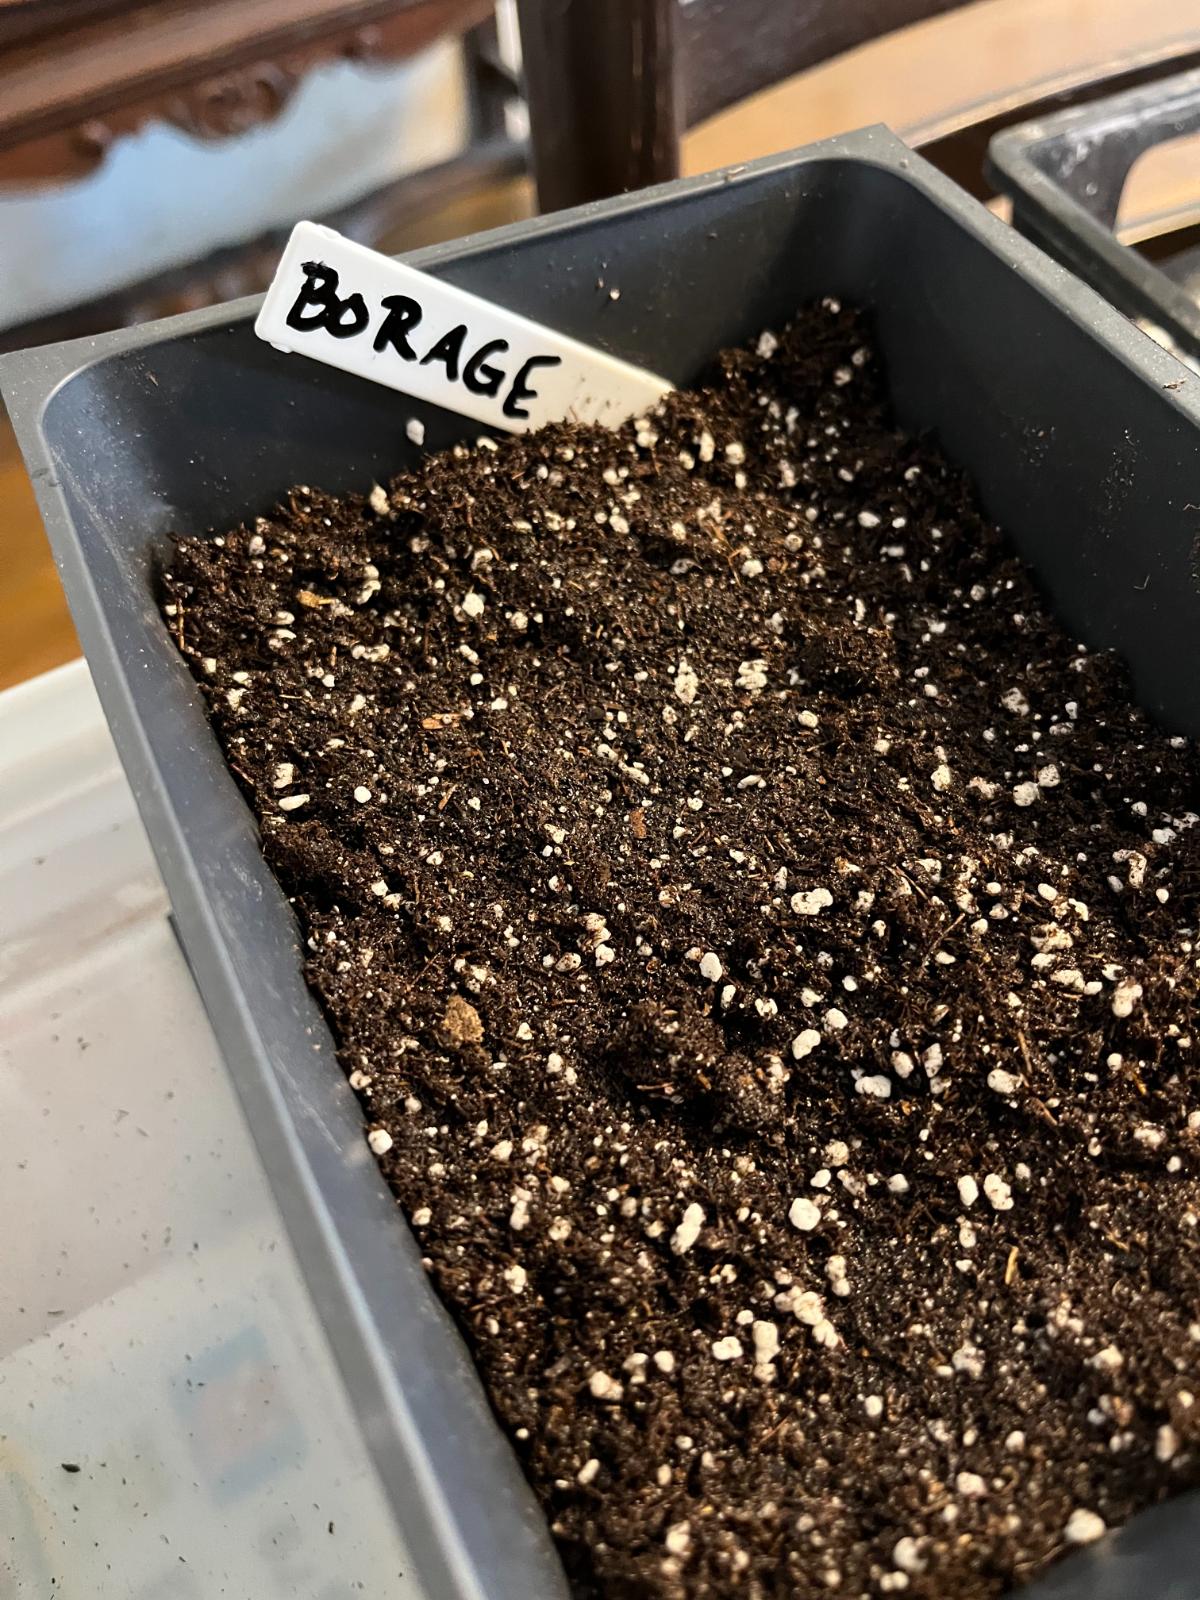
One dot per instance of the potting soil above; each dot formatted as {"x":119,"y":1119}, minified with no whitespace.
{"x":764,"y":946}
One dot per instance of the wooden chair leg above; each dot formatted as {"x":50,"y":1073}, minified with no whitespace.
{"x":602,"y":85}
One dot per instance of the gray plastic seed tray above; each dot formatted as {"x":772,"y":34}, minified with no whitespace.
{"x":1074,"y":426}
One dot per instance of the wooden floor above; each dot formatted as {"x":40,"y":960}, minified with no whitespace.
{"x":909,"y":81}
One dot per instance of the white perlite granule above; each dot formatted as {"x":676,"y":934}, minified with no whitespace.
{"x":710,"y":967}
{"x":678,"y":1538}
{"x":766,"y":1348}
{"x":687,"y":684}
{"x":688,"y":1231}
{"x":804,"y":1214}
{"x":998,"y":1192}
{"x":1084,"y":1527}
{"x":727,"y":1349}
{"x":875,"y":1086}
{"x":1125,"y":997}
{"x":602,"y":1387}
{"x":811,"y":901}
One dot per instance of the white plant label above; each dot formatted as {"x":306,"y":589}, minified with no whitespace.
{"x":338,"y":302}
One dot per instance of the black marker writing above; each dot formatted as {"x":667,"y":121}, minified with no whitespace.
{"x":342,"y":318}
{"x":319,"y":307}
{"x":447,"y":350}
{"x":481,"y":379}
{"x":403,"y":313}
{"x":520,"y":389}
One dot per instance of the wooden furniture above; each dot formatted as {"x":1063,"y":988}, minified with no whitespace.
{"x":613,"y":84}
{"x":77,"y":74}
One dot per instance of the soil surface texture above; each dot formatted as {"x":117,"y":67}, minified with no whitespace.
{"x":764,"y":945}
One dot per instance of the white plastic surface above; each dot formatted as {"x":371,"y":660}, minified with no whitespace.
{"x":154,"y":1330}
{"x":338,"y":302}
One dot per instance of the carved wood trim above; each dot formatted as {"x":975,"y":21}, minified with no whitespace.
{"x":220,"y":107}
{"x":212,"y":69}
{"x":412,"y":202}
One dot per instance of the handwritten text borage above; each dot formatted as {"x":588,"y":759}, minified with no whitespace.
{"x":345,"y":305}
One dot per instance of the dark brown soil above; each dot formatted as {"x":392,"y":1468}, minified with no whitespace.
{"x":763,"y":943}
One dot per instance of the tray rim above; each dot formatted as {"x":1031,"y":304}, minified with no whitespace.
{"x":1051,"y":217}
